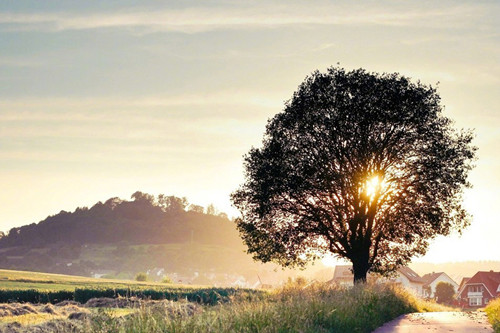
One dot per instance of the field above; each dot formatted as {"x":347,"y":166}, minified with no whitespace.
{"x":297,"y":307}
{"x":55,"y":282}
{"x":30,"y":287}
{"x":123,"y":261}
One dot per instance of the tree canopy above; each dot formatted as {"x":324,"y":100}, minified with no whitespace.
{"x":361,"y":165}
{"x":444,"y":292}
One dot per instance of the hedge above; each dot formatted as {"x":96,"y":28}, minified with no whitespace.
{"x":208,"y":296}
{"x":35,"y":296}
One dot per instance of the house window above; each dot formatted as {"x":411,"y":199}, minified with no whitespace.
{"x":475,"y":289}
{"x":475,"y":301}
{"x":486,"y":301}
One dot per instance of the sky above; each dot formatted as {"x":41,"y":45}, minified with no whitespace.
{"x":99,"y":99}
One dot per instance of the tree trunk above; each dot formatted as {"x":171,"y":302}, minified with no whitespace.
{"x":360,"y":269}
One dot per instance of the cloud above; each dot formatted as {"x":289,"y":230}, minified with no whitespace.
{"x":17,"y":62}
{"x":202,"y":19}
{"x":147,"y":118}
{"x":13,"y":108}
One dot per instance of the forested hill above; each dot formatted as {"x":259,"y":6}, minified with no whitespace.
{"x":143,"y":220}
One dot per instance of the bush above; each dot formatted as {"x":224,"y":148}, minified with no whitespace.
{"x":167,"y":280}
{"x":82,"y":295}
{"x":141,"y":277}
{"x":493,"y":312}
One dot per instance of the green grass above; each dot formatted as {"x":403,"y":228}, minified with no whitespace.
{"x":10,"y":279}
{"x":317,"y":308}
{"x":42,"y":288}
{"x":493,"y":312}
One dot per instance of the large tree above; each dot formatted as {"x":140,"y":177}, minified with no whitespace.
{"x":445,"y":292}
{"x":361,"y":165}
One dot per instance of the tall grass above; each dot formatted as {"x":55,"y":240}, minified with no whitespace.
{"x":317,"y":308}
{"x":493,"y":312}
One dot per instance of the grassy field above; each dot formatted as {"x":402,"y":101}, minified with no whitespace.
{"x":22,"y":280}
{"x":293,"y":308}
{"x":16,"y":286}
{"x":316,"y":308}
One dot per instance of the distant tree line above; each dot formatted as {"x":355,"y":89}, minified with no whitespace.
{"x":145,"y":219}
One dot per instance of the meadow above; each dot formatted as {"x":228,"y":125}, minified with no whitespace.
{"x":22,"y":280}
{"x":17,"y":286}
{"x":296,"y":307}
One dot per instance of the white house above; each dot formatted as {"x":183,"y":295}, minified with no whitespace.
{"x":409,"y":279}
{"x":405,"y":276}
{"x":431,"y":281}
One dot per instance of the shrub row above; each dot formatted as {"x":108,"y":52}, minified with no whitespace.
{"x":209,"y":296}
{"x":35,"y":296}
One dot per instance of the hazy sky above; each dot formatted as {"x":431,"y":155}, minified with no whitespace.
{"x":103,"y":98}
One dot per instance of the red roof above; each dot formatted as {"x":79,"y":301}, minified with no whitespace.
{"x":491,"y":281}
{"x":463,"y":282}
{"x":430,"y":277}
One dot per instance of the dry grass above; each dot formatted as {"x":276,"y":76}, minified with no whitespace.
{"x":420,"y":304}
{"x":30,"y":319}
{"x":315,"y":308}
{"x":293,"y":308}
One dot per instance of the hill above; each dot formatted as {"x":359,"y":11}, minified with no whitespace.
{"x":163,"y":234}
{"x":143,"y":220}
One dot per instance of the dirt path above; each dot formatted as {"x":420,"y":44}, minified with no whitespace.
{"x":438,"y":322}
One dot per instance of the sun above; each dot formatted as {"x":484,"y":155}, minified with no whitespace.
{"x":372,"y":186}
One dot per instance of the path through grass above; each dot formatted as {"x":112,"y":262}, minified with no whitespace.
{"x":318,"y":308}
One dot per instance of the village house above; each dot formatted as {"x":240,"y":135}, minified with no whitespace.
{"x":431,"y":280}
{"x":101,"y":273}
{"x":405,"y":276}
{"x":409,"y":279}
{"x":480,"y":289}
{"x":342,"y":275}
